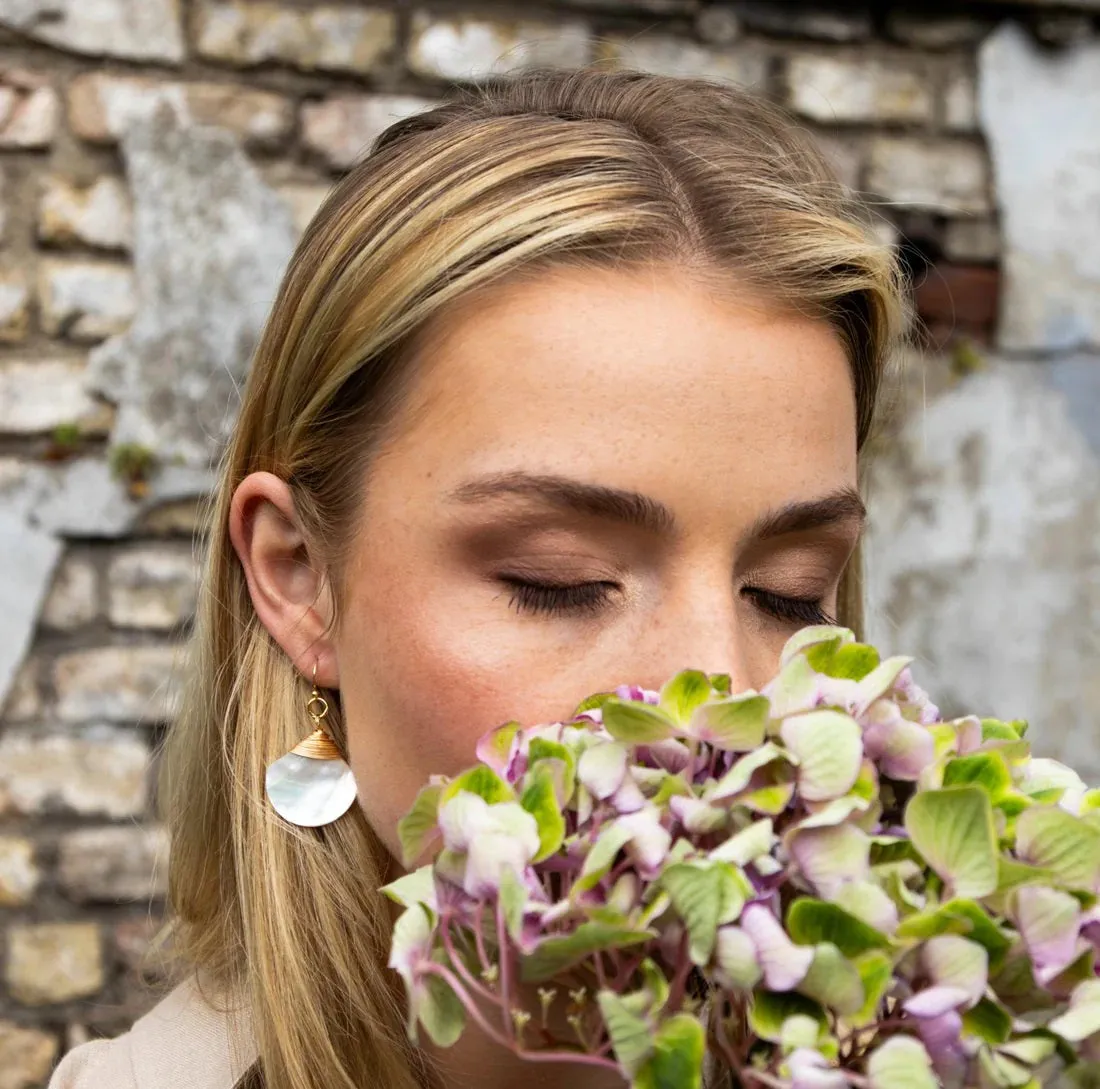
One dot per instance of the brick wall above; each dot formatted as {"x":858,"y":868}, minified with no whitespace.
{"x":888,"y":89}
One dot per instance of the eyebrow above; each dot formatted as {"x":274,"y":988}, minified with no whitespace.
{"x":643,"y":512}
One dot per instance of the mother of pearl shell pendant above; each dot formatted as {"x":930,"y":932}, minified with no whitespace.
{"x":312,"y":785}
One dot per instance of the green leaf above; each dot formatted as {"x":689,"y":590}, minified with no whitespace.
{"x":993,"y":729}
{"x":1082,"y":1019}
{"x":610,"y":841}
{"x":963,"y":917}
{"x":495,"y":747}
{"x":705,"y":896}
{"x":987,"y":770}
{"x":833,"y":981}
{"x":810,"y":922}
{"x":419,"y":825}
{"x":900,"y":1063}
{"x":1000,"y":1070}
{"x":513,"y":902}
{"x":769,"y":1009}
{"x":636,"y":723}
{"x":989,"y":1021}
{"x":681,"y":695}
{"x":740,"y":775}
{"x":953,"y":830}
{"x":482,"y":781}
{"x":1061,"y":843}
{"x":812,"y":635}
{"x":542,"y":748}
{"x":631,"y":1035}
{"x":829,"y":748}
{"x":593,"y":702}
{"x":747,"y":845}
{"x":417,"y":887}
{"x":555,"y":954}
{"x":720,"y":682}
{"x":677,"y":1060}
{"x":737,"y":724}
{"x":850,"y":661}
{"x":1032,"y":1049}
{"x":540,"y":800}
{"x":1012,"y":874}
{"x":440,"y":1011}
{"x":876,"y":972}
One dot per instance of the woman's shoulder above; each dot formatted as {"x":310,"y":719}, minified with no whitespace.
{"x":188,"y":1040}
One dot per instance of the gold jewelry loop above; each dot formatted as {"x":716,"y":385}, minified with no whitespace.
{"x":315,"y":714}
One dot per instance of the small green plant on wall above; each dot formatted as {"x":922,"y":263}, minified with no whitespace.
{"x":65,"y":442}
{"x":133,"y":465}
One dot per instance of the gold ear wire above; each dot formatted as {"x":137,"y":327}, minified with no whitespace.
{"x":312,"y":784}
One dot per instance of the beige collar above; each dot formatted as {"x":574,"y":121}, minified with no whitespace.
{"x":193,"y":1037}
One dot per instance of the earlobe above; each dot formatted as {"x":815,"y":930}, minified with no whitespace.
{"x":289,"y":594}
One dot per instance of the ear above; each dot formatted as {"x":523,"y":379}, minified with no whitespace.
{"x":289,"y":591}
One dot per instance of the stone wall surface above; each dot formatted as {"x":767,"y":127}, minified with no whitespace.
{"x":159,"y":158}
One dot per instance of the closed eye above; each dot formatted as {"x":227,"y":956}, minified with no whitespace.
{"x":588,"y":598}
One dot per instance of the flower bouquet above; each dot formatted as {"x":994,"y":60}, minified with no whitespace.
{"x":818,"y":885}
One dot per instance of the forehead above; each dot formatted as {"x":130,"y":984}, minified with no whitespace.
{"x":635,"y":378}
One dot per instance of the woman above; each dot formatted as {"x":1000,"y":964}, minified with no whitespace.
{"x":564,"y":388}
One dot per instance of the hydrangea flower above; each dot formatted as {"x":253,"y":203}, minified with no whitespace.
{"x":820,"y":885}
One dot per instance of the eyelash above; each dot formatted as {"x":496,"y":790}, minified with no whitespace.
{"x":589,"y":597}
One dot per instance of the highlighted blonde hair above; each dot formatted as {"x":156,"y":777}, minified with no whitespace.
{"x":547,"y":167}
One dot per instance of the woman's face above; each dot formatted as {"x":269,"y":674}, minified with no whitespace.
{"x":600,"y":477}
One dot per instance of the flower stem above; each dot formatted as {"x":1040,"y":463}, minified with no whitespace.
{"x":452,"y":953}
{"x":580,"y":1057}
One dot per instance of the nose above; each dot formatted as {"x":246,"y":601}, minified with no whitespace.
{"x":695,"y":627}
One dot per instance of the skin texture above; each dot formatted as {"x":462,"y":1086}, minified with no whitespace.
{"x":718,"y":406}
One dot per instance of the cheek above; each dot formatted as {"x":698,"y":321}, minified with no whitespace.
{"x":419,"y":685}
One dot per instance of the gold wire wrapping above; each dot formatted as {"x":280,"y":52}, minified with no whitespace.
{"x":318,"y":746}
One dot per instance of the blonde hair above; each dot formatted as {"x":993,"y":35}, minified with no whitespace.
{"x":547,"y":167}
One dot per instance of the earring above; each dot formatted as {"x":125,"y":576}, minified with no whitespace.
{"x":312,"y":784}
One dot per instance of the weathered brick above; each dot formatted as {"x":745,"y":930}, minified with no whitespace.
{"x":130,"y":29}
{"x":633,"y":7}
{"x":106,"y":865}
{"x":1062,"y":28}
{"x":100,"y":214}
{"x":965,"y":296}
{"x":85,"y":301}
{"x":342,"y":127}
{"x":101,"y":771}
{"x":36,"y":397}
{"x":54,"y":962}
{"x":464,"y":48}
{"x":800,"y":21}
{"x":26,"y":1056}
{"x":15,"y":298}
{"x":29,"y":109}
{"x":303,"y":200}
{"x":960,"y":103}
{"x":118,"y":683}
{"x":184,"y":517}
{"x":19,"y":874}
{"x":334,"y":38}
{"x":936,"y":31}
{"x":952,"y":177}
{"x":153,"y":588}
{"x":101,"y":106}
{"x":833,"y":88}
{"x":670,"y":56}
{"x":972,"y":240}
{"x":24,"y":699}
{"x":73,"y":598}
